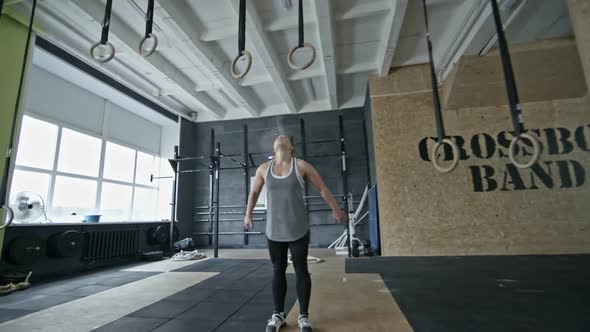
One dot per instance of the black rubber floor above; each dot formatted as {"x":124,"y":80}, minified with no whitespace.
{"x":487,"y":293}
{"x":48,"y":294}
{"x":239,"y":298}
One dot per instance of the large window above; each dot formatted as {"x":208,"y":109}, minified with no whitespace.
{"x":78,"y":174}
{"x":78,"y":153}
{"x":119,"y":163}
{"x":37,"y":143}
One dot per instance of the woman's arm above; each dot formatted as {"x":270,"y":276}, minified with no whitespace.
{"x":311,"y":175}
{"x":254,"y":193}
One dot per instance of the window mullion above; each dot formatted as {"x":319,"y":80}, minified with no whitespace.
{"x":105,"y":128}
{"x":53,"y":173}
{"x":100,"y":175}
{"x":133,"y":186}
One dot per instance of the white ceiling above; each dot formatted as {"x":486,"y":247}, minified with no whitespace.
{"x":354,"y":38}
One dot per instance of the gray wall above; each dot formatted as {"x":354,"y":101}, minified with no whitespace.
{"x":318,"y":126}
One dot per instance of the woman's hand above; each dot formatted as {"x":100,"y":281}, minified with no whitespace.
{"x":248,"y":223}
{"x":340,"y":216}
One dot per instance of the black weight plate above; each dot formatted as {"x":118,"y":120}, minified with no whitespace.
{"x":161,"y":234}
{"x":69,"y":243}
{"x":25,"y":250}
{"x":150,"y":236}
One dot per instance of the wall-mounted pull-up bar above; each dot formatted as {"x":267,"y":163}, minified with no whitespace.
{"x":214,"y":169}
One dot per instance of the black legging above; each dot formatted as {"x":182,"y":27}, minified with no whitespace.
{"x":278,"y":256}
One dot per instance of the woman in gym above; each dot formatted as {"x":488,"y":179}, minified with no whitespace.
{"x":287,"y":224}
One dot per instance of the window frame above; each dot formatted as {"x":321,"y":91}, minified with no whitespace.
{"x":53,"y":173}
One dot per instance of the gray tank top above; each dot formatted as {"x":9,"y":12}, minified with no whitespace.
{"x":286,"y":218}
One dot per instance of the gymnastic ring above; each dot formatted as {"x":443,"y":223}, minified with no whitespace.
{"x":9,"y":217}
{"x":235,"y":62}
{"x":149,"y":51}
{"x":105,"y":59}
{"x":305,"y":65}
{"x":536,"y":150}
{"x":455,"y":155}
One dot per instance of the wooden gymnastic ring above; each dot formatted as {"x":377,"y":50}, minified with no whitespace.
{"x":150,"y":51}
{"x":536,"y":151}
{"x":305,"y":65}
{"x":455,"y":155}
{"x":9,"y":216}
{"x":105,"y":59}
{"x":248,"y":56}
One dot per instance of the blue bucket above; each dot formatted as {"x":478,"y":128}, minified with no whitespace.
{"x":92,"y":218}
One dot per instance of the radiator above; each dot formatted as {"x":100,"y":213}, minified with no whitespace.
{"x":103,"y":245}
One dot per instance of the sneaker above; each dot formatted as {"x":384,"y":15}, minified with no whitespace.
{"x":275,"y":322}
{"x":304,"y":323}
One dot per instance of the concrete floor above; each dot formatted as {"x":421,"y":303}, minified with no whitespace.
{"x":228,"y":294}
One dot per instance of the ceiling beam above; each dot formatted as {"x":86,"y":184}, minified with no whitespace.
{"x":260,"y":42}
{"x":361,"y":9}
{"x":393,"y":28}
{"x":358,"y":67}
{"x":469,"y":31}
{"x":355,"y":68}
{"x":178,"y":15}
{"x":326,"y":38}
{"x":285,"y":22}
{"x":75,"y":40}
{"x":219,"y":33}
{"x":130,"y":38}
{"x":250,"y":80}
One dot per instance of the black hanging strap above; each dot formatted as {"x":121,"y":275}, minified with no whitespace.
{"x":440,"y":128}
{"x":149,"y":18}
{"x":301,"y":23}
{"x":106,"y":23}
{"x":514,"y":101}
{"x":4,"y":184}
{"x":1,"y":6}
{"x":242,"y":28}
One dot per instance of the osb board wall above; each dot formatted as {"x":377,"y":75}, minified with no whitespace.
{"x":401,"y":80}
{"x":543,"y":70}
{"x":423,"y":212}
{"x":580,"y":19}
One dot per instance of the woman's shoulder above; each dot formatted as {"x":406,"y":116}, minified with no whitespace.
{"x":264,"y":166}
{"x":301,"y":162}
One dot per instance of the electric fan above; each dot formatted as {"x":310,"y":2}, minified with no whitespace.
{"x":28,"y":207}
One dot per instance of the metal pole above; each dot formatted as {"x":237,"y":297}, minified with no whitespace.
{"x":344,"y":172}
{"x":211,"y":175}
{"x":367,"y":159}
{"x":174,"y":197}
{"x":351,"y":220}
{"x":223,"y":206}
{"x":229,"y":233}
{"x":217,"y":176}
{"x":246,"y":178}
{"x":304,"y":156}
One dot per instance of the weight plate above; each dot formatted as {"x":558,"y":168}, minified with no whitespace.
{"x":161,"y":234}
{"x":66,"y":244}
{"x":25,"y":250}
